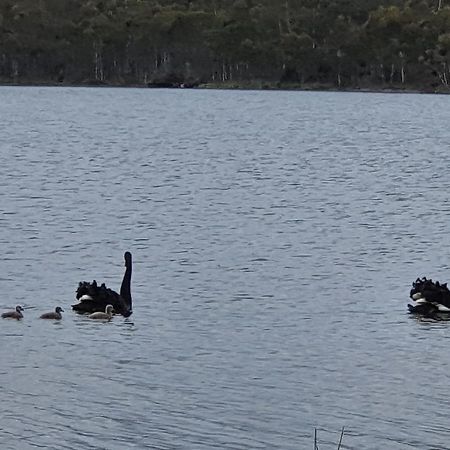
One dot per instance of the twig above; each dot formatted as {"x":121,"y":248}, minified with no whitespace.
{"x":340,"y":439}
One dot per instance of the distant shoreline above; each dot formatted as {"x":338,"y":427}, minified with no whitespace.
{"x":242,"y":86}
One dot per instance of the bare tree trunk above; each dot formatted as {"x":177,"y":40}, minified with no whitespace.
{"x":288,"y":17}
{"x":156,"y":58}
{"x":224,"y":72}
{"x":98,"y":62}
{"x":339,"y":55}
{"x":382,"y":76}
{"x":443,"y":75}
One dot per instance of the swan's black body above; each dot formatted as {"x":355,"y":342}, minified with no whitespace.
{"x":95,"y":298}
{"x":429,"y":297}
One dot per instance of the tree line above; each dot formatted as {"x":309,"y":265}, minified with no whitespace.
{"x":268,"y":43}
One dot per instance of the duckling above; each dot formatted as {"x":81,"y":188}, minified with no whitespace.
{"x":16,"y":314}
{"x":56,"y":315}
{"x":107,"y":315}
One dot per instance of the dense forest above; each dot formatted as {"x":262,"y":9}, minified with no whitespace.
{"x":365,"y":44}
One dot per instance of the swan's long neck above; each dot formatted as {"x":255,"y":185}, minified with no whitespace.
{"x":125,"y":288}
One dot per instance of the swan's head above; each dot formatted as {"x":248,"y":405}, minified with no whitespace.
{"x":19,"y":308}
{"x":109,"y":309}
{"x":127,"y":257}
{"x":58,"y":309}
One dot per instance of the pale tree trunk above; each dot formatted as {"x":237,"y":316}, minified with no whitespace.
{"x":15,"y":68}
{"x":402,"y":68}
{"x":98,"y":61}
{"x":224,"y":72}
{"x":339,"y":56}
{"x":156,"y":58}
{"x":443,"y":75}
{"x":288,"y":17}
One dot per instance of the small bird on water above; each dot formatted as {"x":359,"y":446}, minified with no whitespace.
{"x":107,"y":315}
{"x":55,"y":315}
{"x":16,"y":314}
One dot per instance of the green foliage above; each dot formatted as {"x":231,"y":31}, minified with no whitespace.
{"x":341,"y":43}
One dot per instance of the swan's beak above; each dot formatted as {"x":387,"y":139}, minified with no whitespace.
{"x":417,"y":295}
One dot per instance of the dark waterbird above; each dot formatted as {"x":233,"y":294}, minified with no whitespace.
{"x":429,"y":297}
{"x":16,"y":314}
{"x":93,"y":298}
{"x":55,"y":315}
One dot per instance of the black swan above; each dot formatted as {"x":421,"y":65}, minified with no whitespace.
{"x":16,"y":314}
{"x":94,"y":298}
{"x":107,"y":315}
{"x":56,"y":314}
{"x":429,"y":297}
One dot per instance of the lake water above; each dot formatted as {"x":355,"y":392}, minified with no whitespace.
{"x":274,"y":235}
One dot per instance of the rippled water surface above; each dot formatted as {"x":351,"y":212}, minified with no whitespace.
{"x":274,"y":235}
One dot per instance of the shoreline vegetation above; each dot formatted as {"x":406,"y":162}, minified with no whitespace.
{"x":339,"y":45}
{"x":247,"y":86}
